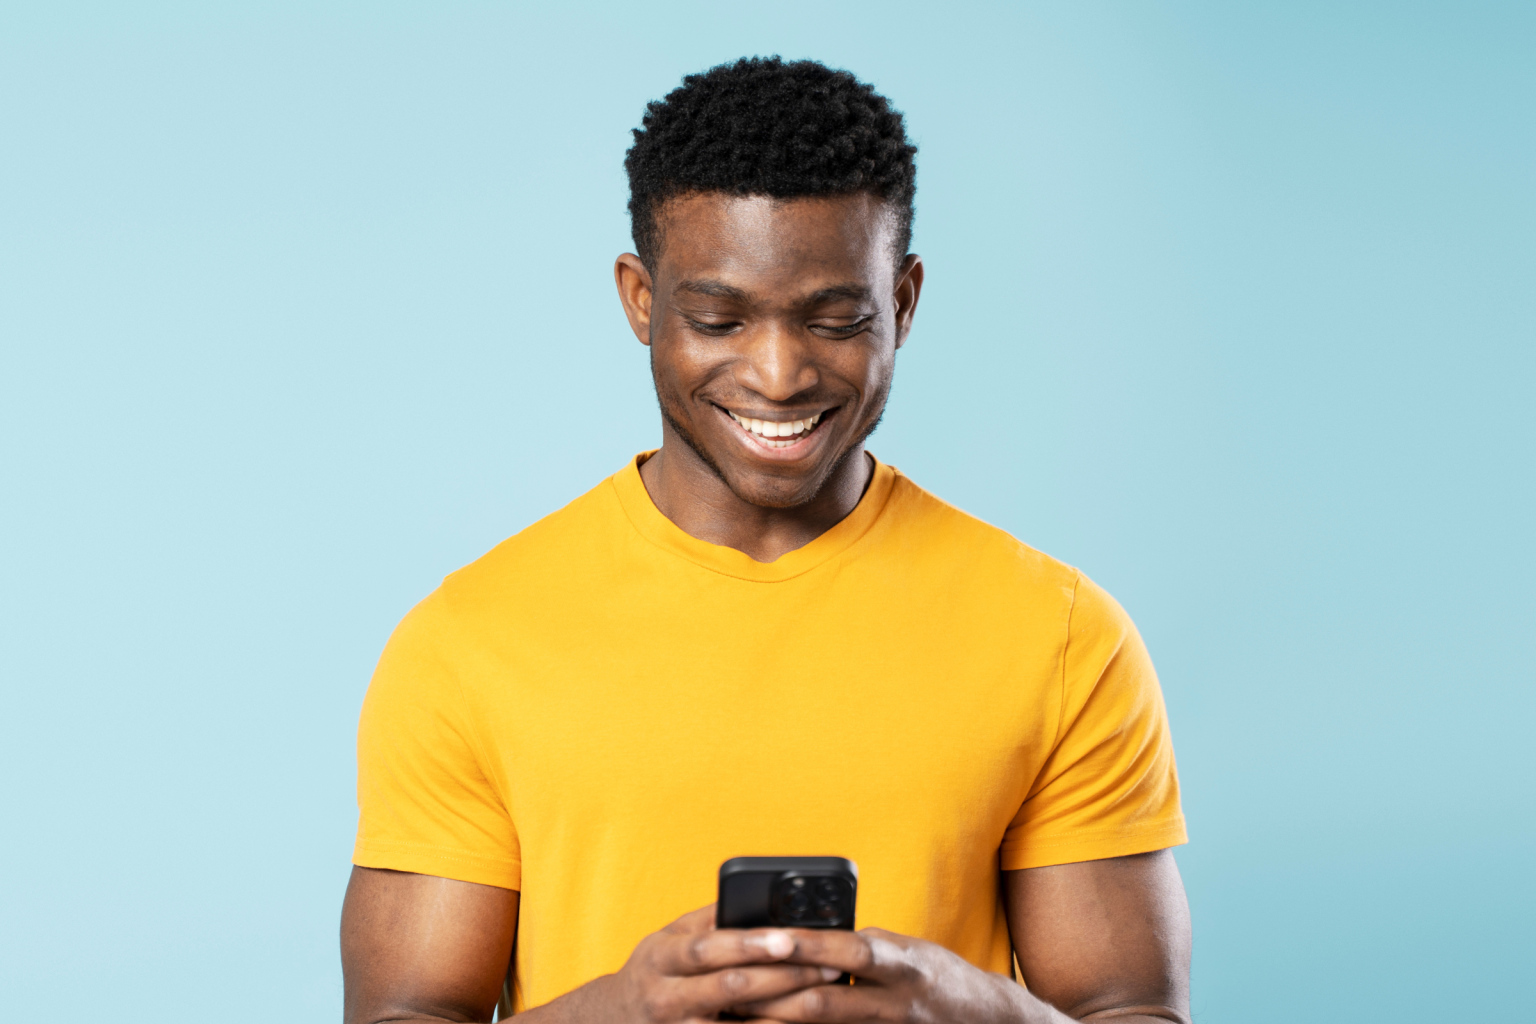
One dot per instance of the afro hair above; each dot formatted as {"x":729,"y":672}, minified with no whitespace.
{"x":765,"y":127}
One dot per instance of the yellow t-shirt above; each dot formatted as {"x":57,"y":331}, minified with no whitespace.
{"x":603,"y":709}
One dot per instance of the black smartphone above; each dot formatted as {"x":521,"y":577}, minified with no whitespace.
{"x":787,"y":892}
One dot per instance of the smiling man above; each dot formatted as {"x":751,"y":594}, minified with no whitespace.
{"x":760,"y":640}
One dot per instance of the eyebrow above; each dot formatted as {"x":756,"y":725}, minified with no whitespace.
{"x":714,"y":289}
{"x":721,"y":290}
{"x":857,"y":292}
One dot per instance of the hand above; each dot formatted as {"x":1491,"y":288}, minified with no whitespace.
{"x":689,"y":972}
{"x":899,"y":979}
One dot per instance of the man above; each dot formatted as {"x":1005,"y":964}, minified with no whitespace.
{"x":759,"y":640}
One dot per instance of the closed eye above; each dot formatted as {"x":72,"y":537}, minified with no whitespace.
{"x":843,"y":330}
{"x":713,"y":330}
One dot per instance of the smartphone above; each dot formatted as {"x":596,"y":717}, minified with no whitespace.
{"x":787,"y":892}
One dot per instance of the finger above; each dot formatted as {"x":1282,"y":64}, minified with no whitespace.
{"x":865,"y":954}
{"x":693,"y":922}
{"x":708,"y":994}
{"x":826,"y":1004}
{"x":727,"y":947}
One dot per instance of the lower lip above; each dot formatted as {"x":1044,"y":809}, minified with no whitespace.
{"x":807,"y":443}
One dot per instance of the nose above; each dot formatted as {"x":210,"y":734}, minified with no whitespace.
{"x":777,"y":364}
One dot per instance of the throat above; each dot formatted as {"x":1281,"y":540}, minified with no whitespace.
{"x":701,"y":502}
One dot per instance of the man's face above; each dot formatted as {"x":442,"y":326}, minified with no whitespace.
{"x":773,"y":327}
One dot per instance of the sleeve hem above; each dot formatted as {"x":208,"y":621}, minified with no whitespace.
{"x":1099,"y":844}
{"x":433,"y":860}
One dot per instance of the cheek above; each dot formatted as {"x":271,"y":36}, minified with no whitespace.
{"x":687,"y":362}
{"x":872,"y":367}
{"x":697,"y":363}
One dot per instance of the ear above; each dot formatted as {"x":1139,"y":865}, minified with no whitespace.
{"x":909,"y":285}
{"x":635,"y":293}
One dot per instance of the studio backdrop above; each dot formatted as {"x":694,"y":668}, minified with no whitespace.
{"x":303,"y":306}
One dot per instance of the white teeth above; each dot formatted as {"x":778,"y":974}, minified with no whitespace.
{"x":767,"y":429}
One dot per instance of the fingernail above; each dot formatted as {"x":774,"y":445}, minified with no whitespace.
{"x":830,"y":973}
{"x":778,"y":944}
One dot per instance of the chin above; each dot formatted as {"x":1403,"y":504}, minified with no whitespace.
{"x":774,"y":490}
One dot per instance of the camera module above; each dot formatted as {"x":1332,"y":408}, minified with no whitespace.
{"x":813,"y":902}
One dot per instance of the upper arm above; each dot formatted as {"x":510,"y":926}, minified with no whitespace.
{"x":418,"y":947}
{"x":1103,"y":935}
{"x":429,"y":800}
{"x":431,"y":910}
{"x":1108,"y":786}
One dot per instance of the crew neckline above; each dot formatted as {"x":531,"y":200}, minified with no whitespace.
{"x":667,"y":535}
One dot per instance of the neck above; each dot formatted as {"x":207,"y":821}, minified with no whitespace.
{"x":691,"y":494}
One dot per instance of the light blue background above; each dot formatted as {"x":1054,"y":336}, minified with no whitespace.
{"x":302,"y":307}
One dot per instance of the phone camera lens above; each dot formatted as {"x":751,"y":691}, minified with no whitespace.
{"x":814,"y":901}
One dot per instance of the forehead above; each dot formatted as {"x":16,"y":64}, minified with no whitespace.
{"x":764,"y":244}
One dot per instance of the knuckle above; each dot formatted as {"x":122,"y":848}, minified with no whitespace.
{"x":658,"y":1005}
{"x":815,"y":1003}
{"x":734,"y":983}
{"x":903,"y":1011}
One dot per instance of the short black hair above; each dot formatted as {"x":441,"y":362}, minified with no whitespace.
{"x":764,"y":126}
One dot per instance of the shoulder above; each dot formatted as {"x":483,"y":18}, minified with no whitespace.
{"x":987,"y":560}
{"x":929,"y":528}
{"x":551,"y":547}
{"x":522,"y":571}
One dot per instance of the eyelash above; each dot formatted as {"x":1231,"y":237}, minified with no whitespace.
{"x":713,"y":330}
{"x":721,"y":330}
{"x":845,"y":332}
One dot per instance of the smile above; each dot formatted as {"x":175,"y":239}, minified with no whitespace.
{"x":777,"y":433}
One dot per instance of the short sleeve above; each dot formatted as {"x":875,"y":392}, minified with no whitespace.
{"x":426,"y":802}
{"x":1109,"y":787}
